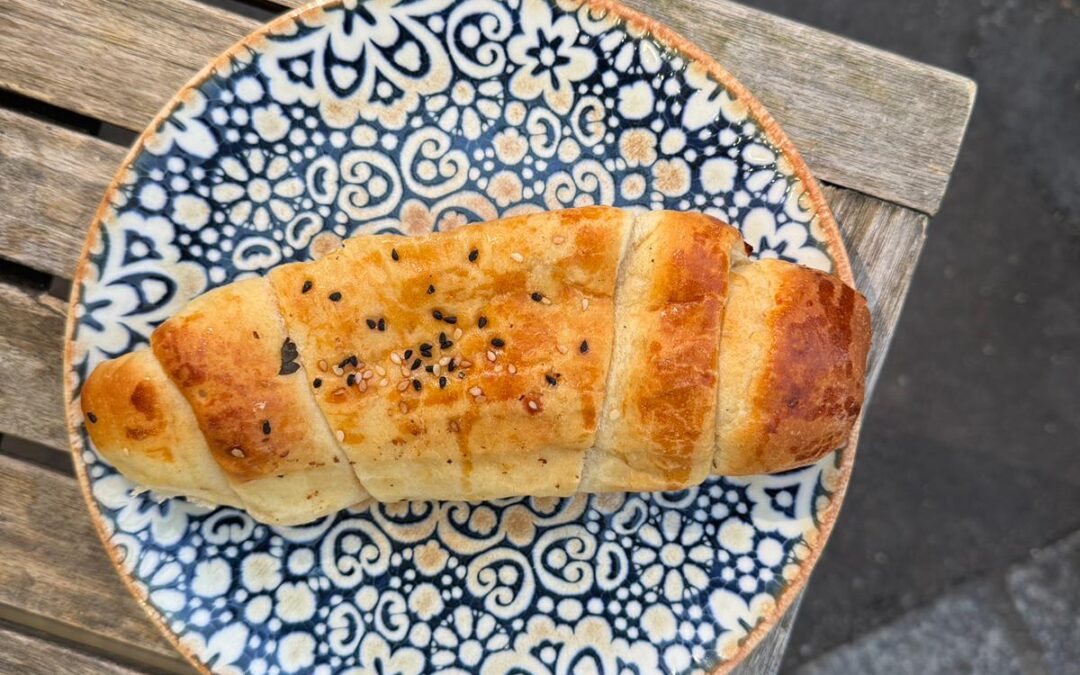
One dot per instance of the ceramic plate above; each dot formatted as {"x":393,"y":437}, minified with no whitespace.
{"x":408,"y":117}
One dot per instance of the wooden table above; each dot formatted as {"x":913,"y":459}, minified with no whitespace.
{"x":80,"y":77}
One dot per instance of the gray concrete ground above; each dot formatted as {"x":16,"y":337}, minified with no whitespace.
{"x":970,"y":455}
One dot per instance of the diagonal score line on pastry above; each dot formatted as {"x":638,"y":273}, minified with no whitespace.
{"x":588,"y":349}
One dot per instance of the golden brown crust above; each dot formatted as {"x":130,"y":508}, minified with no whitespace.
{"x":229,"y":355}
{"x":794,"y":352}
{"x":660,"y":414}
{"x":372,"y":364}
{"x":143,"y":427}
{"x":506,"y":408}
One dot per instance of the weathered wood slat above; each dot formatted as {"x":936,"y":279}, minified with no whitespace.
{"x":30,"y":655}
{"x":864,"y":119}
{"x":31,"y":342}
{"x":51,"y":180}
{"x":56,"y":577}
{"x":883,"y":242}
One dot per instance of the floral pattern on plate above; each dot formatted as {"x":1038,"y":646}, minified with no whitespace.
{"x":411,"y":117}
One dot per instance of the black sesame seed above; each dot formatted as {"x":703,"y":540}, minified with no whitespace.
{"x":446,"y":344}
{"x":425,"y":347}
{"x":437,"y":314}
{"x":482,"y":321}
{"x":498,"y":342}
{"x":451,"y":366}
{"x":426,"y":353}
{"x":382,"y":324}
{"x":584,"y":348}
{"x":289,"y":355}
{"x":350,"y":380}
{"x":408,"y":354}
{"x":371,"y":323}
{"x":430,"y":369}
{"x":536,"y":296}
{"x":450,"y":319}
{"x":317,"y":382}
{"x":430,"y":289}
{"x":551,"y":380}
{"x":307,"y":286}
{"x":394,"y":255}
{"x":416,"y":385}
{"x":442,"y":383}
{"x":415,"y":364}
{"x":473,"y":254}
{"x":92,"y":417}
{"x":349,"y":360}
{"x":266,"y":427}
{"x":335,"y":296}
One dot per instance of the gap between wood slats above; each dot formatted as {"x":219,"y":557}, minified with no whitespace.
{"x":36,"y":653}
{"x":848,"y":107}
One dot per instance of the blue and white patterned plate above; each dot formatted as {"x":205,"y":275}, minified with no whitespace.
{"x":409,"y":117}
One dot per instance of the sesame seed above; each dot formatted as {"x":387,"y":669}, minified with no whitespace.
{"x":340,"y":435}
{"x":473,"y":254}
{"x":584,"y":304}
{"x":350,"y":380}
{"x":430,"y":289}
{"x":442,"y":383}
{"x":562,"y":350}
{"x":371,"y":323}
{"x":452,"y":365}
{"x":536,"y":296}
{"x":415,"y":364}
{"x":498,"y":342}
{"x":457,"y":333}
{"x":614,"y":414}
{"x":405,"y":371}
{"x":236,"y":452}
{"x":394,"y":254}
{"x":430,"y":368}
{"x":363,"y":385}
{"x":476,"y":391}
{"x":450,"y":319}
{"x":558,"y":239}
{"x":317,"y":382}
{"x":395,"y":358}
{"x":416,"y":385}
{"x":454,"y":426}
{"x":512,"y":368}
{"x":307,"y":286}
{"x":92,"y":417}
{"x":339,"y":371}
{"x":403,"y":385}
{"x":436,"y":314}
{"x":349,"y":360}
{"x":425,"y":346}
{"x":444,"y":360}
{"x":266,"y":427}
{"x":545,"y":301}
{"x":533,"y":406}
{"x":584,"y":347}
{"x":382,"y":324}
{"x":436,"y":369}
{"x":491,"y":356}
{"x":335,"y":296}
{"x":551,"y":380}
{"x":380,"y":370}
{"x":322,"y":365}
{"x":465,"y":364}
{"x":383,"y":382}
{"x":498,"y":368}
{"x":517,"y":257}
{"x":407,"y":355}
{"x":368,"y":375}
{"x":403,"y":407}
{"x":482,"y":321}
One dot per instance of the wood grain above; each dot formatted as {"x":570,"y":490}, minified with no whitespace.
{"x":56,"y":577}
{"x":31,"y":342}
{"x":51,"y":180}
{"x":29,"y":655}
{"x":864,"y":119}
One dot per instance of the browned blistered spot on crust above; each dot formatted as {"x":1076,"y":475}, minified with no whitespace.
{"x":813,"y":390}
{"x":144,"y":399}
